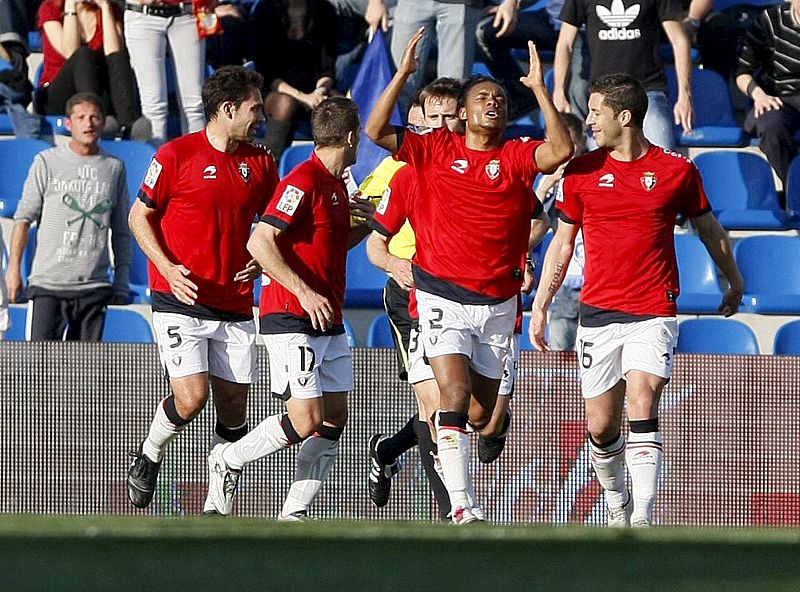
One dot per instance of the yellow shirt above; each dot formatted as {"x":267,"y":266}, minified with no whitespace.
{"x":404,"y":243}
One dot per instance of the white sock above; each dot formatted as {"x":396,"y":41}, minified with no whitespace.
{"x":266,"y":438}
{"x":644,"y":456}
{"x":454,"y":448}
{"x":162,"y":432}
{"x":609,"y":466}
{"x":312,"y":467}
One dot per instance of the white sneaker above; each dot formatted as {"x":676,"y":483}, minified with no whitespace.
{"x":222,"y":481}
{"x":462,"y":515}
{"x":299,"y":516}
{"x":619,"y":517}
{"x":641,"y":522}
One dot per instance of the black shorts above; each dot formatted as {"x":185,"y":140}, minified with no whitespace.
{"x":395,"y":300}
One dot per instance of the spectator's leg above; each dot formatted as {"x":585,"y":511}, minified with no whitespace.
{"x":189,"y":53}
{"x":775,"y":131}
{"x":579,"y":77}
{"x":47,"y":318}
{"x":122,"y":87}
{"x":658,"y":123}
{"x":456,"y":26}
{"x":409,"y":16}
{"x":88,"y":316}
{"x":279,"y":109}
{"x":147,"y":43}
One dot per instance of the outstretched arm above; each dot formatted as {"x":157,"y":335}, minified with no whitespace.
{"x":560,"y":147}
{"x":378,"y":128}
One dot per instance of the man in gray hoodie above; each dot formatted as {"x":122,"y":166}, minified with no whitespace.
{"x":77,"y":194}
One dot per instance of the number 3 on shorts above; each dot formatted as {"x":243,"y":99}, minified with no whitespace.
{"x":586,"y":357}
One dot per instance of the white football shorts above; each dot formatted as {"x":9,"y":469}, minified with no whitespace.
{"x":606,"y":354}
{"x":304,"y":366}
{"x":188,"y":345}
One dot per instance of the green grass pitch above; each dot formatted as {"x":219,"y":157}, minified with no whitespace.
{"x":118,"y":554}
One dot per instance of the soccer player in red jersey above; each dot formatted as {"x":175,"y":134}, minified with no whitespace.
{"x":472,"y":228}
{"x":193,"y":217}
{"x":625,"y":197}
{"x":302,"y":242}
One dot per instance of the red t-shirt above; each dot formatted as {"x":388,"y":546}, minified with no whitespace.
{"x":627,"y":211}
{"x":472,"y":214}
{"x":311,"y":206}
{"x":54,"y":61}
{"x":208,"y":201}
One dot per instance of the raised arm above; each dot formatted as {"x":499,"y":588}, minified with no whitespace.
{"x":264,"y":248}
{"x":378,"y":128}
{"x":554,"y":269}
{"x":719,"y":247}
{"x":560,"y":147}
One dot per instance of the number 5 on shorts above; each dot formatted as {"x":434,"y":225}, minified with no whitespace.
{"x":586,"y":357}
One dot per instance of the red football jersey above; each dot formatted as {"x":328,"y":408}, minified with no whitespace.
{"x":397,"y":201}
{"x":311,"y":206}
{"x":207,"y":201}
{"x":473,"y":210}
{"x":627,"y":211}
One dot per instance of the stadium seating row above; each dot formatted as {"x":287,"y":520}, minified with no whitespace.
{"x":123,"y":325}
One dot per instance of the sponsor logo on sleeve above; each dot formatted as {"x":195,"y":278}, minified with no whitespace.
{"x":290,"y":199}
{"x":153,"y":172}
{"x":560,"y":190}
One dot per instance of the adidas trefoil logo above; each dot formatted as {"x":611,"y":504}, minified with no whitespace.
{"x":618,"y":18}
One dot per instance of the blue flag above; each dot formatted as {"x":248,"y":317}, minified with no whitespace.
{"x":373,"y":77}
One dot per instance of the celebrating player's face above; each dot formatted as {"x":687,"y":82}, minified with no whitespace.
{"x":441,"y":112}
{"x":486,"y":107}
{"x":247,"y":117}
{"x":606,"y":127}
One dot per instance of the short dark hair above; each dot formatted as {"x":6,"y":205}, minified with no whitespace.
{"x":84,"y":97}
{"x":445,"y":87}
{"x":331,"y":121}
{"x":475,"y":81}
{"x":621,"y":92}
{"x":229,"y":83}
{"x":573,"y":123}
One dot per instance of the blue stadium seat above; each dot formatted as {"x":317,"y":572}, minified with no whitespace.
{"x":294,"y":155}
{"x":700,"y":291}
{"x":714,"y":123}
{"x":351,"y":334}
{"x":793,"y":193}
{"x":770,"y":266}
{"x":139,"y":278}
{"x":741,"y":188}
{"x":365,"y":282}
{"x":787,"y":340}
{"x":380,"y":332}
{"x":136,"y":156}
{"x":720,"y":5}
{"x":525,"y":343}
{"x":35,"y":44}
{"x":124,"y":325}
{"x":17,"y":156}
{"x":18,"y":315}
{"x":716,"y":336}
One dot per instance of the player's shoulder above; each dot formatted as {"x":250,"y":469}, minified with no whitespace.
{"x":181,"y":148}
{"x":304,"y":176}
{"x":671,"y":159}
{"x":587,"y":162}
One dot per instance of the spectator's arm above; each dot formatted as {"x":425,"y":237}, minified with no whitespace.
{"x":561,"y":65}
{"x":121,"y":243}
{"x":681,"y":49}
{"x":112,"y":30}
{"x":64,"y":35}
{"x":19,"y":240}
{"x":377,"y":15}
{"x":505,"y":17}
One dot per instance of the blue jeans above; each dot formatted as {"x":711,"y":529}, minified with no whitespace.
{"x":658,"y":123}
{"x":454,"y":26}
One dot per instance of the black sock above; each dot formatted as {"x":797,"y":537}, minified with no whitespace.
{"x":427,"y":448}
{"x":391,"y":448}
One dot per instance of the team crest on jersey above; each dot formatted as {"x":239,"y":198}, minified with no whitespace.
{"x":493,"y":169}
{"x":244,"y":171}
{"x":648,"y":180}
{"x":290,"y":199}
{"x":153,"y":172}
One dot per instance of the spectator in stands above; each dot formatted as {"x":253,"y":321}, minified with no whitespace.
{"x":149,"y":28}
{"x":296,"y":57}
{"x":716,"y":34}
{"x":627,"y":40}
{"x":77,"y":194}
{"x":232,"y":46}
{"x":14,"y":28}
{"x":540,"y":26}
{"x":453,"y":22}
{"x":769,"y":73}
{"x":564,"y":309}
{"x":84,"y":52}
